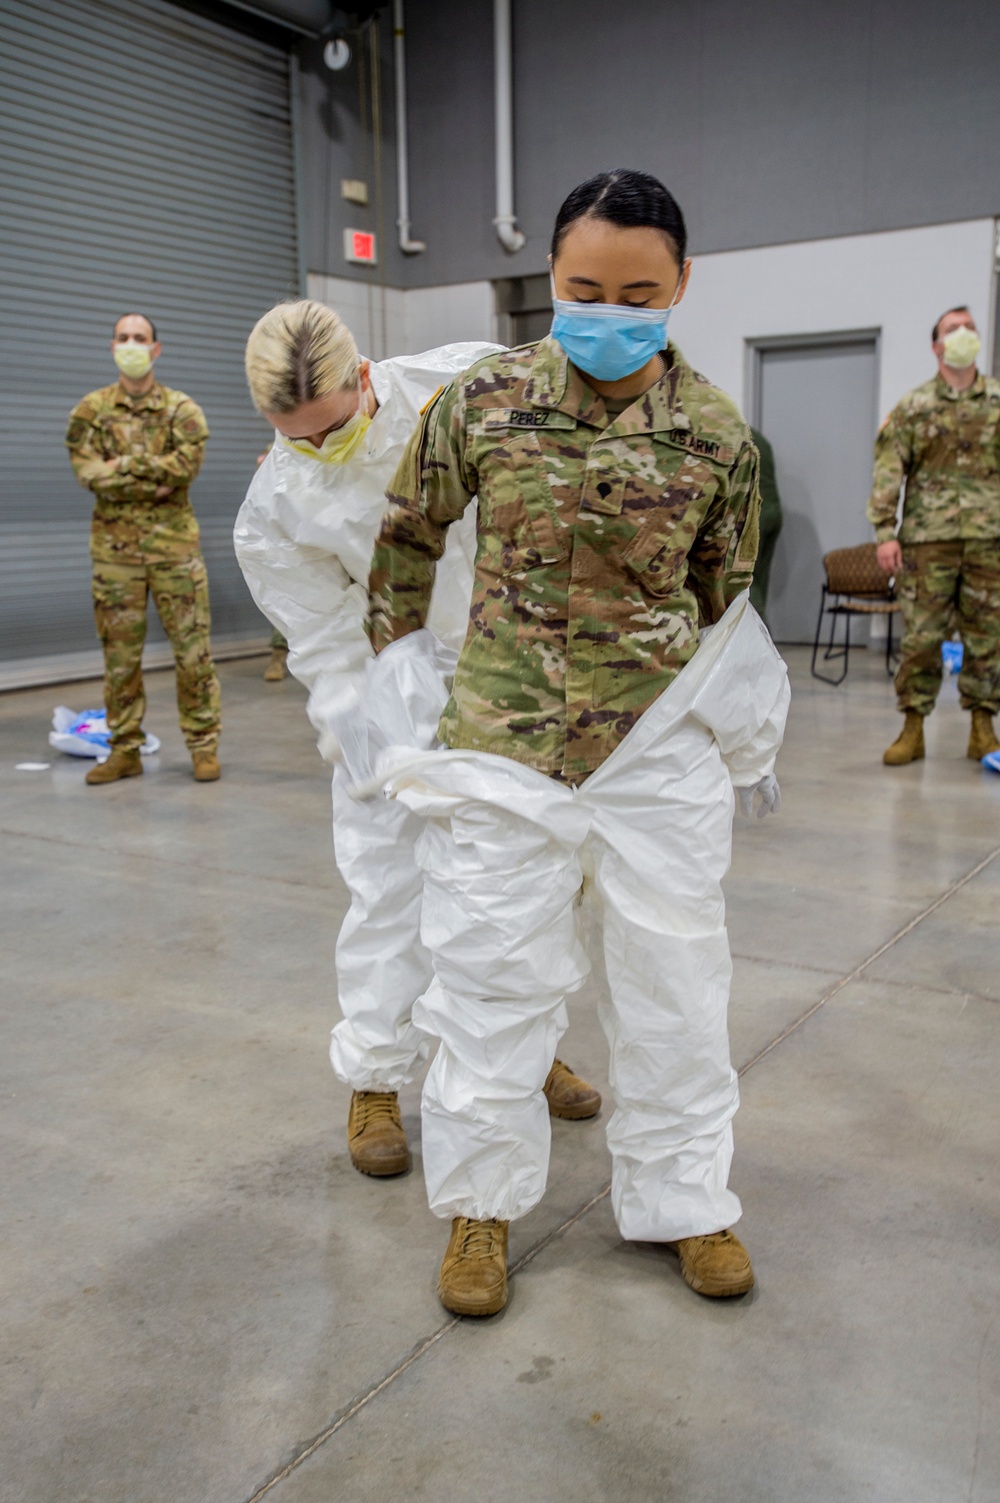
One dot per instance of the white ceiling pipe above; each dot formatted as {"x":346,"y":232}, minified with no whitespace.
{"x":509,"y":235}
{"x":407,"y":246}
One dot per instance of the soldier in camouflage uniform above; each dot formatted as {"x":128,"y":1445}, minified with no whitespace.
{"x":604,"y":543}
{"x":942,"y":441}
{"x":617,"y":514}
{"x":138,"y":445}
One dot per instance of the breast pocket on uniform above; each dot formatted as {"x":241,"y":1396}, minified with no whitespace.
{"x":666,"y":519}
{"x":657,"y":554}
{"x":517,"y":513}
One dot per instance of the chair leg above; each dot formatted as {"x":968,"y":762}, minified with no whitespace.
{"x":831,"y":650}
{"x":819,"y":629}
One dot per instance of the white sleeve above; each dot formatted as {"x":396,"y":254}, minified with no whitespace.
{"x":305,"y":591}
{"x":755,"y":759}
{"x":744,"y":701}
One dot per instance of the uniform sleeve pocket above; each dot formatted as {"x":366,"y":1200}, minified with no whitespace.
{"x":749,"y":540}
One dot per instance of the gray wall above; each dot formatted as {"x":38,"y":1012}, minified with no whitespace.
{"x":336,"y":141}
{"x":776,"y":121}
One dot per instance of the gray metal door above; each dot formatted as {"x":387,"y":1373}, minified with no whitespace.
{"x":816,"y":403}
{"x":148,"y":166}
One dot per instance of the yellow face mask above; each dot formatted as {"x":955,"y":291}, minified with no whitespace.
{"x":132,"y":359}
{"x":961,"y":347}
{"x":339,"y":445}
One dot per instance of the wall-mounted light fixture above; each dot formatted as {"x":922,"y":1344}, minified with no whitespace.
{"x":337,"y":54}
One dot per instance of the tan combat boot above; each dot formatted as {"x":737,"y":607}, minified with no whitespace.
{"x":982,"y":737}
{"x":120,"y":764}
{"x":473,"y":1278}
{"x":717,"y":1265}
{"x":206,"y":766}
{"x":569,"y":1096}
{"x":375,"y":1134}
{"x":277,"y":667}
{"x":909,"y":744}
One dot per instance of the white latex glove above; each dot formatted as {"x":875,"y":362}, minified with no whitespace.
{"x":770,"y":797}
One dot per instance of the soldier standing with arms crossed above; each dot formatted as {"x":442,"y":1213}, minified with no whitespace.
{"x":138,"y":445}
{"x":943,"y":441}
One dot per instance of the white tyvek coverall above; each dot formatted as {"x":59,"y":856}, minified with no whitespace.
{"x":304,"y":538}
{"x":505,"y":853}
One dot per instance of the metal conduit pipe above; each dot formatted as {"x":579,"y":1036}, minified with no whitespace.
{"x":510,"y":237}
{"x":407,"y":246}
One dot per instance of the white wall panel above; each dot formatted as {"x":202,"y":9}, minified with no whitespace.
{"x":388,"y":321}
{"x":898,"y":282}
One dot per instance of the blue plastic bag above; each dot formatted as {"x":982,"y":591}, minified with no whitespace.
{"x":951,"y":656}
{"x":992,"y":761}
{"x":84,"y":733}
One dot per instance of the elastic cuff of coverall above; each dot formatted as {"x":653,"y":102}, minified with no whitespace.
{"x":395,"y":1080}
{"x":667,"y":1227}
{"x":885,"y":535}
{"x":354,"y":1067}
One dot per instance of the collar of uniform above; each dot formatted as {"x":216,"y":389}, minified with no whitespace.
{"x":151,"y":399}
{"x":660,"y":409}
{"x":556,"y":384}
{"x":977,"y":389}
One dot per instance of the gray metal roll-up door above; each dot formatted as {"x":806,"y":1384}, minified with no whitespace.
{"x":147,"y":165}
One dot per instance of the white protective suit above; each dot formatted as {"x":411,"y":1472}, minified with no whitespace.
{"x":506,"y":852}
{"x":304,"y":538}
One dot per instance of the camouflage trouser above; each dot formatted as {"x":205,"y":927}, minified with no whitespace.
{"x":180,"y":593}
{"x":277,"y":640}
{"x":941,"y":586}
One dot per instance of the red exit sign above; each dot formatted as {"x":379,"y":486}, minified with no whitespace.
{"x":359,"y":247}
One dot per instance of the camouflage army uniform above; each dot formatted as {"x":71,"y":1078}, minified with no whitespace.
{"x":123,"y":448}
{"x":603,"y":543}
{"x":945,"y":445}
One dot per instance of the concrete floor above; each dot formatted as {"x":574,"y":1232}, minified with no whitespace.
{"x":204,"y":1303}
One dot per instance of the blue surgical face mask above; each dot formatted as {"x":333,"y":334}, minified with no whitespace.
{"x":609,"y":341}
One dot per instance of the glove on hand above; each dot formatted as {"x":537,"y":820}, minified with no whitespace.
{"x":770,"y":797}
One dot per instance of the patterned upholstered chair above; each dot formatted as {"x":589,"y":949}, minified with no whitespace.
{"x":854,"y":586}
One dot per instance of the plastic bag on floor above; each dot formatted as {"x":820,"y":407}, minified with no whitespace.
{"x":951,"y":656}
{"x":992,"y":761}
{"x":84,"y":733}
